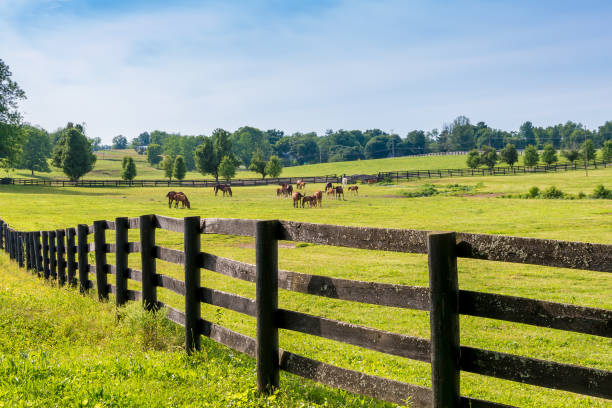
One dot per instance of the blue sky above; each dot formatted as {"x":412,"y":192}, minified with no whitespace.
{"x":123,"y":67}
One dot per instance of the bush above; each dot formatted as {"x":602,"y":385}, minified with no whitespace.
{"x":581,"y":195}
{"x":552,"y":192}
{"x":602,"y":192}
{"x":534,"y":192}
{"x":426,"y":190}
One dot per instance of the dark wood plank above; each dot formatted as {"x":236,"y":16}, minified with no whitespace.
{"x":566,"y":377}
{"x":100,"y":255}
{"x":191,"y":261}
{"x":537,"y":312}
{"x":170,"y":255}
{"x":228,"y":301}
{"x":133,"y":247}
{"x":147,"y":261}
{"x":71,"y":255}
{"x":169,"y":223}
{"x":121,"y":259}
{"x":134,"y":274}
{"x":134,"y":223}
{"x":385,"y":342}
{"x":228,"y":226}
{"x":82,"y":249}
{"x":133,"y":294}
{"x":169,"y":283}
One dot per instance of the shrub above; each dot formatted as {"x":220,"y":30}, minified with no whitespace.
{"x":581,"y":195}
{"x":426,"y":190}
{"x":533,"y":192}
{"x":552,"y":192}
{"x":602,"y":192}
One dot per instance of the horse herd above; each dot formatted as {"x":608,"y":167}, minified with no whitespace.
{"x":300,"y":199}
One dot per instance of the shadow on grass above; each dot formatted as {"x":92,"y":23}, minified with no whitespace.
{"x":12,"y":189}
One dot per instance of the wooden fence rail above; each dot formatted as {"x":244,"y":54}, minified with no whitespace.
{"x":60,"y":254}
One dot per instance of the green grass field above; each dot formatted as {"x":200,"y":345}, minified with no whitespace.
{"x":108,"y":166}
{"x":86,"y":353}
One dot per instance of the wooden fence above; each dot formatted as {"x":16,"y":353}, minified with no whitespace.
{"x":63,"y":255}
{"x":494,"y":171}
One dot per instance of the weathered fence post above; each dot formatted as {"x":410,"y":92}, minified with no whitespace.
{"x":444,"y":319}
{"x":26,"y":241}
{"x":71,"y":255}
{"x":38,"y":253}
{"x":61,"y":254}
{"x":266,"y":247}
{"x":82,"y":250}
{"x":20,"y":248}
{"x":52,"y":255}
{"x":192,"y":283}
{"x":121,"y":259}
{"x":100,"y":249}
{"x":147,"y":258}
{"x":11,"y":240}
{"x":46,"y":269}
{"x":1,"y":234}
{"x":32,"y":251}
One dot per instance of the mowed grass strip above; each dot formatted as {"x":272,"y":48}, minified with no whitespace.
{"x":478,"y":211}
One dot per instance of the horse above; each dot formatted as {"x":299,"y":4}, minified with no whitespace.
{"x":289,"y":190}
{"x":301,"y":184}
{"x":331,"y":192}
{"x":339,"y":191}
{"x":279,"y":192}
{"x":328,"y":185}
{"x":226,"y":189}
{"x":318,"y":195}
{"x":170,"y":195}
{"x":311,"y":200}
{"x":296,"y":199}
{"x":354,"y":189}
{"x":182,"y":198}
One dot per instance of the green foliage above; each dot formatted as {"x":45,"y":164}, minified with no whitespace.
{"x":274,"y":167}
{"x":473,"y":159}
{"x":534,"y":192}
{"x":150,"y":329}
{"x":587,"y":150}
{"x":258,"y":163}
{"x":227,"y":168}
{"x":602,"y":192}
{"x":531,"y":156}
{"x":509,"y":155}
{"x":571,"y":155}
{"x":36,"y":150}
{"x":129,"y":169}
{"x":428,"y":190}
{"x":209,"y":154}
{"x":10,"y":94}
{"x":489,"y":157}
{"x":246,"y":141}
{"x":120,"y":142}
{"x":154,"y":152}
{"x":549,"y":155}
{"x":552,"y":192}
{"x":167,"y":165}
{"x":73,"y":153}
{"x":179,"y":168}
{"x":11,"y":139}
{"x":606,"y":151}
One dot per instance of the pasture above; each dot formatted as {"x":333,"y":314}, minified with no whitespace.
{"x":168,"y":375}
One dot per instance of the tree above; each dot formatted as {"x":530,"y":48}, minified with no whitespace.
{"x":571,"y":155}
{"x":531,"y":156}
{"x":489,"y":157}
{"x":258,"y":163}
{"x":376,"y":148}
{"x":36,"y":150}
{"x":73,"y":153}
{"x":209,"y":154}
{"x":509,"y":155}
{"x":527,"y":134}
{"x":549,"y":155}
{"x":606,"y":151}
{"x":167,"y":165}
{"x":274,"y":167}
{"x":179,"y":169}
{"x":473,"y":159}
{"x":10,"y":118}
{"x":154,"y":152}
{"x":246,"y":140}
{"x":120,"y":142}
{"x":227,"y":168}
{"x":587,"y":151}
{"x":129,"y":169}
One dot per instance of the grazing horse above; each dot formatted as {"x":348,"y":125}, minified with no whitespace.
{"x":328,"y":185}
{"x":331,"y":192}
{"x":354,"y":189}
{"x":171,"y":197}
{"x":182,"y":198}
{"x":297,"y":197}
{"x":311,"y":200}
{"x":279,"y":192}
{"x":226,"y":189}
{"x":339,"y":192}
{"x":301,"y":184}
{"x":318,"y":195}
{"x":289,"y":190}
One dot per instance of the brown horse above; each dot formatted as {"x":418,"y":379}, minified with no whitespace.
{"x":354,"y":189}
{"x":331,"y":192}
{"x":339,"y":192}
{"x":171,"y":195}
{"x":297,"y":197}
{"x":225,"y":188}
{"x":318,"y":195}
{"x":328,"y":185}
{"x":311,"y":200}
{"x":182,"y":198}
{"x":301,"y":184}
